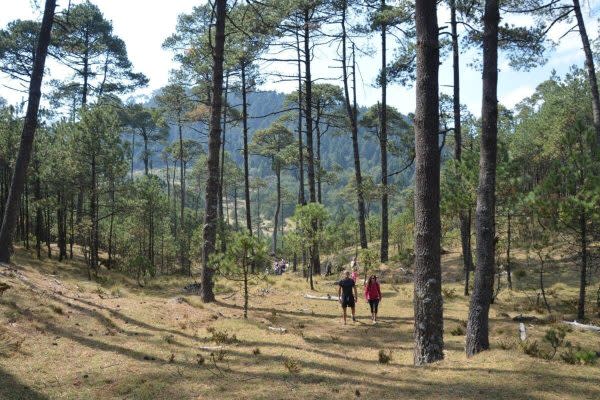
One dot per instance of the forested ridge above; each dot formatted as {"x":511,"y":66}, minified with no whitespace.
{"x":480,"y":225}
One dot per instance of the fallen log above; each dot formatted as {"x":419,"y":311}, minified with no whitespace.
{"x":584,"y":327}
{"x":328,"y":297}
{"x":278,"y":330}
{"x":526,"y":318}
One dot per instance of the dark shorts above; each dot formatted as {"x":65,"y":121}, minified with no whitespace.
{"x":347,"y":301}
{"x":374,"y":305}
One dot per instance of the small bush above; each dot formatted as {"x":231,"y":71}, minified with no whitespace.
{"x":530,"y":348}
{"x":506,"y":344}
{"x":292,"y":365}
{"x":520,"y":273}
{"x":385,"y":357}
{"x":57,"y":309}
{"x":256,"y":351}
{"x":458,"y":330}
{"x":222,"y":337}
{"x":449,"y":294}
{"x":170,"y":339}
{"x":199,"y":359}
{"x":577,"y":355}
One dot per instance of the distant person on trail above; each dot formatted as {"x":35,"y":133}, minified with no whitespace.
{"x":354,"y":266}
{"x":347,"y":295}
{"x":373,"y":296}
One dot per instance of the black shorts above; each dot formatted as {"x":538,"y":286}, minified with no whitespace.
{"x":347,"y":301}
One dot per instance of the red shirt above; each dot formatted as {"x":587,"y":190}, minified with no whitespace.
{"x":373,"y":291}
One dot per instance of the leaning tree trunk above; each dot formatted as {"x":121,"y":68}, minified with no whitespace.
{"x":464,"y":216}
{"x":315,"y":261}
{"x":591,"y":70}
{"x":214,"y":143}
{"x":477,"y":326}
{"x":428,"y":303}
{"x":9,"y":219}
{"x":351,"y":111}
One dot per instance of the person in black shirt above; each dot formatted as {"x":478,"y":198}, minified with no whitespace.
{"x":347,"y":295}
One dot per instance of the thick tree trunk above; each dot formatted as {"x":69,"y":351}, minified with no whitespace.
{"x":27,"y":136}
{"x":428,"y":303}
{"x":477,"y":326}
{"x":591,"y":70}
{"x":315,"y":260}
{"x":383,"y":252}
{"x":246,"y":161}
{"x":214,"y":144}
{"x":351,"y":110}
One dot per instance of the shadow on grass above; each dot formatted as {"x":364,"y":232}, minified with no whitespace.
{"x":12,"y":389}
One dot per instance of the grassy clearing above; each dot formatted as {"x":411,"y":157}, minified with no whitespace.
{"x":63,"y":337}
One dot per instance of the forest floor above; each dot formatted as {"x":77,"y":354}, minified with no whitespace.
{"x":64,"y":337}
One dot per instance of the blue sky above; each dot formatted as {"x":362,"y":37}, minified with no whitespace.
{"x":144,"y":24}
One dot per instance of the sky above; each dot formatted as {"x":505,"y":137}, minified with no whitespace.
{"x":144,"y":25}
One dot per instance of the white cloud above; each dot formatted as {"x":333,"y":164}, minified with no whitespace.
{"x":514,"y":96}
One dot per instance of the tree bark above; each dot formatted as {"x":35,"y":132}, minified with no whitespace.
{"x":383,"y":253}
{"x":315,"y":260}
{"x":477,"y":325}
{"x":508,"y":244}
{"x":277,"y":209}
{"x":464,"y":216}
{"x":428,"y":303}
{"x":246,"y":156}
{"x":583,"y":271}
{"x":214,"y":144}
{"x":221,"y":177}
{"x":591,"y":70}
{"x":27,"y":136}
{"x":301,"y":196}
{"x":351,"y":110}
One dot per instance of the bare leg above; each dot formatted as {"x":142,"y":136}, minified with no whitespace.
{"x":353,"y":313}
{"x":344,"y":314}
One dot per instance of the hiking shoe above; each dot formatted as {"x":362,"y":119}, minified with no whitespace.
{"x":353,"y":319}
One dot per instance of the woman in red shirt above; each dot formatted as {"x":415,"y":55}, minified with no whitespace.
{"x":373,"y":296}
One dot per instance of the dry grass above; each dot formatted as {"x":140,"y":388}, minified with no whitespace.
{"x":158,"y":343}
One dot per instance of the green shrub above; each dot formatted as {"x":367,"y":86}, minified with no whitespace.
{"x":458,"y":330}
{"x":385,"y":357}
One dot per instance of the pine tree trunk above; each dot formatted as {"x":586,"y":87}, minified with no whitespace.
{"x":315,"y":260}
{"x":477,"y":325}
{"x":464,"y":217}
{"x":277,"y":209}
{"x":584,"y":260}
{"x":221,"y":177}
{"x":214,"y":144}
{"x":94,"y":217}
{"x":146,"y":154}
{"x":383,"y":253}
{"x":27,"y":136}
{"x":508,"y":244}
{"x":591,"y":70}
{"x":351,"y":110}
{"x":301,"y":196}
{"x":428,"y":303}
{"x":246,"y":161}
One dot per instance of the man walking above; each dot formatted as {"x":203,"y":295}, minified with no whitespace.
{"x":347,"y":295}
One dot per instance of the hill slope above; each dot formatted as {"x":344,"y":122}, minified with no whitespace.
{"x":64,"y":337}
